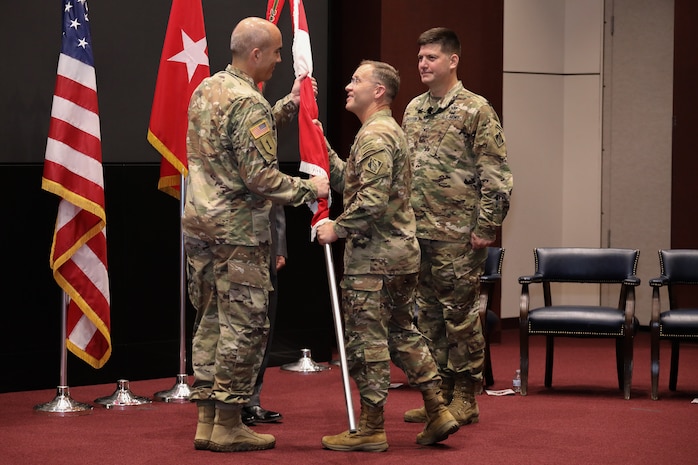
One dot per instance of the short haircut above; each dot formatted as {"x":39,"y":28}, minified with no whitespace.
{"x":246,"y":37}
{"x":386,"y":75}
{"x":443,"y":36}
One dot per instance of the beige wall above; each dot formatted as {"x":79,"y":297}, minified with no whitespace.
{"x":559,"y":123}
{"x":552,"y":120}
{"x":638,"y":78}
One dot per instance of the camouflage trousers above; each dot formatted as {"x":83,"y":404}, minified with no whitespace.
{"x":447,"y":298}
{"x":229,"y":288}
{"x":378,"y":317}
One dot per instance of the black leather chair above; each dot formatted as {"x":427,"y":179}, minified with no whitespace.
{"x":491,"y":276}
{"x":679,"y":267}
{"x":588,"y":266}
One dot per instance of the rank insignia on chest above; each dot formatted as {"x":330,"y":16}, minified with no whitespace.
{"x":374,"y":165}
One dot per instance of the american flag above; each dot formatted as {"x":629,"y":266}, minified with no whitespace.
{"x":73,"y":171}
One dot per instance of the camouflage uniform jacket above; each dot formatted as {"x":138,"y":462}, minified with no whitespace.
{"x":233,"y":170}
{"x":462,"y":182}
{"x":377,"y":221}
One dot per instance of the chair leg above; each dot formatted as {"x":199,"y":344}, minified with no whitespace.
{"x":487,"y":373}
{"x":620,"y":362}
{"x":627,"y":365}
{"x":549,"y":356}
{"x":654,"y":360}
{"x":523,"y":359}
{"x":674,"y":370}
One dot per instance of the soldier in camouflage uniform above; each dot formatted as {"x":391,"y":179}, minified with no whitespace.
{"x":460,"y":196}
{"x":381,"y":261}
{"x":233,"y":178}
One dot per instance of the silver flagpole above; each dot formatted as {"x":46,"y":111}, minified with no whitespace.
{"x":180,"y":391}
{"x":339,"y":331}
{"x":63,"y":404}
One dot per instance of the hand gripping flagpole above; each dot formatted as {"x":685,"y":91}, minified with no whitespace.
{"x":314,"y":161}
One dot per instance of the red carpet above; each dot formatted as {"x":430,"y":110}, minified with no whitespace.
{"x":582,"y":420}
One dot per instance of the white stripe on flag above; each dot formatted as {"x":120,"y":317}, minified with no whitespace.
{"x":82,"y":333}
{"x":74,"y":161}
{"x":75,"y":115}
{"x":302,"y":53}
{"x":77,"y":71}
{"x":93,"y":267}
{"x":66,"y":212}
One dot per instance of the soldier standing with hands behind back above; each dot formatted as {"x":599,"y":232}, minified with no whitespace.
{"x":460,"y":195}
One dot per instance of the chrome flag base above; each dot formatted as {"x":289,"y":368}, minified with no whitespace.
{"x":63,"y":405}
{"x":305,"y":364}
{"x":179,"y":392}
{"x":122,"y":397}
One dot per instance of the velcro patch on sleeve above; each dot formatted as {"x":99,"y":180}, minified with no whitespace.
{"x":260,"y":129}
{"x":374,"y":165}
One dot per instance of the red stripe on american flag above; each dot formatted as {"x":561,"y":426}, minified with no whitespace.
{"x":73,"y":182}
{"x":89,"y":310}
{"x":75,"y":138}
{"x":88,"y":291}
{"x":76,"y":93}
{"x":68,"y":233}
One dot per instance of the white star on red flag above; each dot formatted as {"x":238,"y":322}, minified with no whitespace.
{"x":193,"y":54}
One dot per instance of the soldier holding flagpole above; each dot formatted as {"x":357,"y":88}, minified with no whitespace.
{"x":381,"y":263}
{"x":233,"y":179}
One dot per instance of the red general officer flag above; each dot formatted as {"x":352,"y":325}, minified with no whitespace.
{"x":73,"y":171}
{"x":313,"y":151}
{"x":183,"y":65}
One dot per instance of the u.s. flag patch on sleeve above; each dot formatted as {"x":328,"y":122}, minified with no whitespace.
{"x":260,"y":129}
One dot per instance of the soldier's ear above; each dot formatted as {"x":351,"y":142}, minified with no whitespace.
{"x":453,"y":61}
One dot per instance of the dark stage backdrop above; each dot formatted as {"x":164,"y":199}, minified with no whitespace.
{"x":127,"y":43}
{"x":142,"y":222}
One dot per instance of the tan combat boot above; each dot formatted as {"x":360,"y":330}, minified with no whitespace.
{"x":464,"y":407}
{"x":204,"y":427}
{"x":419,"y":415}
{"x":230,"y":434}
{"x":440,"y":422}
{"x":370,"y":436}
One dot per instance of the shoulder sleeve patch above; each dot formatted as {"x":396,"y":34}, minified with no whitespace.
{"x":260,"y":129}
{"x":499,"y":137}
{"x":374,"y":165}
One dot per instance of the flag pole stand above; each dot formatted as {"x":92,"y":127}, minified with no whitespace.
{"x":63,"y":404}
{"x":122,"y":397}
{"x":179,"y":393}
{"x":339,"y":332}
{"x":305,"y":364}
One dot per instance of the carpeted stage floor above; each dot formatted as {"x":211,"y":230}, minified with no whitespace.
{"x":582,"y":420}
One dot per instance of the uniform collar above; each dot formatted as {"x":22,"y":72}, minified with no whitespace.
{"x":444,"y":102}
{"x":237,"y":72}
